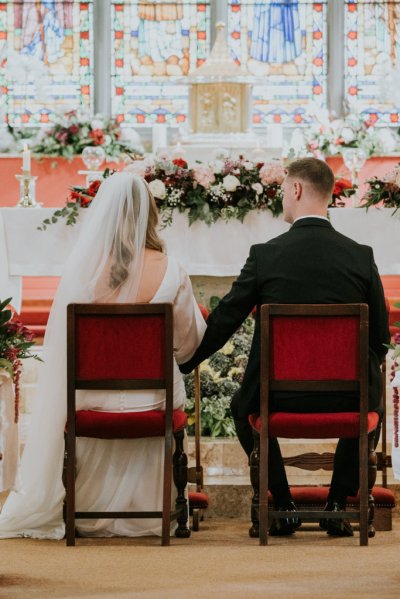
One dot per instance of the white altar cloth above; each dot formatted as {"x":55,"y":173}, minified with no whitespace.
{"x":217,"y":250}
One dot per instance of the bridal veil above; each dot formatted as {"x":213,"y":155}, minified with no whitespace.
{"x":105,"y":265}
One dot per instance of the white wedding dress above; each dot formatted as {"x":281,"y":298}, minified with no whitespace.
{"x":115,"y":475}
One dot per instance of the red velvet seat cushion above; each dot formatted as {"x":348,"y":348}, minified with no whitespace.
{"x":125,"y":425}
{"x":319,"y":496}
{"x":315,"y":426}
{"x":198,"y":500}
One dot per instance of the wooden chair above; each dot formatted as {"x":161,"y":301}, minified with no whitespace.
{"x":122,"y":347}
{"x":315,"y":497}
{"x":314,"y":348}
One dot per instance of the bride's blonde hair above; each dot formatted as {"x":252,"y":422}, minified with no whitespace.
{"x":124,"y":240}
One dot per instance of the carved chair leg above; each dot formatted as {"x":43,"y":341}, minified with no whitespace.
{"x":195,"y":519}
{"x":371,"y":482}
{"x":254,"y":531}
{"x":180,"y":479}
{"x":64,"y":480}
{"x":70,"y":475}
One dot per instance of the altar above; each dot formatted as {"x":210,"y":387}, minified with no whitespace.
{"x":56,"y":176}
{"x":219,"y":250}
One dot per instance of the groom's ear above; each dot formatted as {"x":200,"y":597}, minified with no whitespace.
{"x":298,"y":189}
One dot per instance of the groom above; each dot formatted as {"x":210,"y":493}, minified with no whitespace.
{"x":310,"y":264}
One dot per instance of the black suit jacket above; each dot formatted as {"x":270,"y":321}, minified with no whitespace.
{"x":310,"y":264}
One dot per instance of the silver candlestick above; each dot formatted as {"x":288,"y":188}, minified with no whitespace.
{"x":27,"y":189}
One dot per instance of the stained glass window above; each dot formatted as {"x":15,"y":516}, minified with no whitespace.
{"x":45,"y":59}
{"x":155,"y":42}
{"x":284,"y":45}
{"x":372,"y":57}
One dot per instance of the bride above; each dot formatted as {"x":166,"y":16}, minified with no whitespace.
{"x":118,"y":258}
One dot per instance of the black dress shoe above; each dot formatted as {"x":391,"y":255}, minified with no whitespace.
{"x":337,"y":527}
{"x":285,"y":526}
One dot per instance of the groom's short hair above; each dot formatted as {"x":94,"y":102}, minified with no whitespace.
{"x":314,"y":171}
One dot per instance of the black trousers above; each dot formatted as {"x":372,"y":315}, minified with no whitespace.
{"x":345,"y":476}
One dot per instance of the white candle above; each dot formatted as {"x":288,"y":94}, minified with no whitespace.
{"x":159,"y":136}
{"x":26,"y":159}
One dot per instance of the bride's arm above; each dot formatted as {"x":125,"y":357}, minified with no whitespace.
{"x":189,"y":325}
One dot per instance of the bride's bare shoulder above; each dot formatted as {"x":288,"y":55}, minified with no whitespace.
{"x":155,"y":255}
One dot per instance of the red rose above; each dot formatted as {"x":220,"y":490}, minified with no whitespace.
{"x":85,"y":201}
{"x":180,"y":162}
{"x":74,"y":195}
{"x":73,"y":129}
{"x":340,"y":186}
{"x":259,"y":165}
{"x":93,"y":188}
{"x":98,"y":136}
{"x":336,"y":190}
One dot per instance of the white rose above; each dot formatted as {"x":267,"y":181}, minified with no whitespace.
{"x":230,"y":182}
{"x":158,"y":189}
{"x":98,"y":122}
{"x":217,"y":166}
{"x":107,"y":140}
{"x":258,"y":188}
{"x":348,"y":134}
{"x":248,"y":165}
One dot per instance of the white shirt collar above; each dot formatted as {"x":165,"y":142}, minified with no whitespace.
{"x":311,"y":216}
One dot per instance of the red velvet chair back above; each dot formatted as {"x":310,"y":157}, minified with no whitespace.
{"x":314,"y":347}
{"x":115,"y":346}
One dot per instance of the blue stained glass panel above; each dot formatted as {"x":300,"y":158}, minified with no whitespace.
{"x":284,"y":45}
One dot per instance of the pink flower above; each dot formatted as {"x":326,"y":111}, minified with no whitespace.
{"x":203,"y":175}
{"x":62,"y":136}
{"x":272,"y":173}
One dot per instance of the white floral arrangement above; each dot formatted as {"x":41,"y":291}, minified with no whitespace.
{"x":330,"y":135}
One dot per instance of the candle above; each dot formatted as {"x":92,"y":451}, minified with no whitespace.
{"x":159,"y":136}
{"x":26,"y":160}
